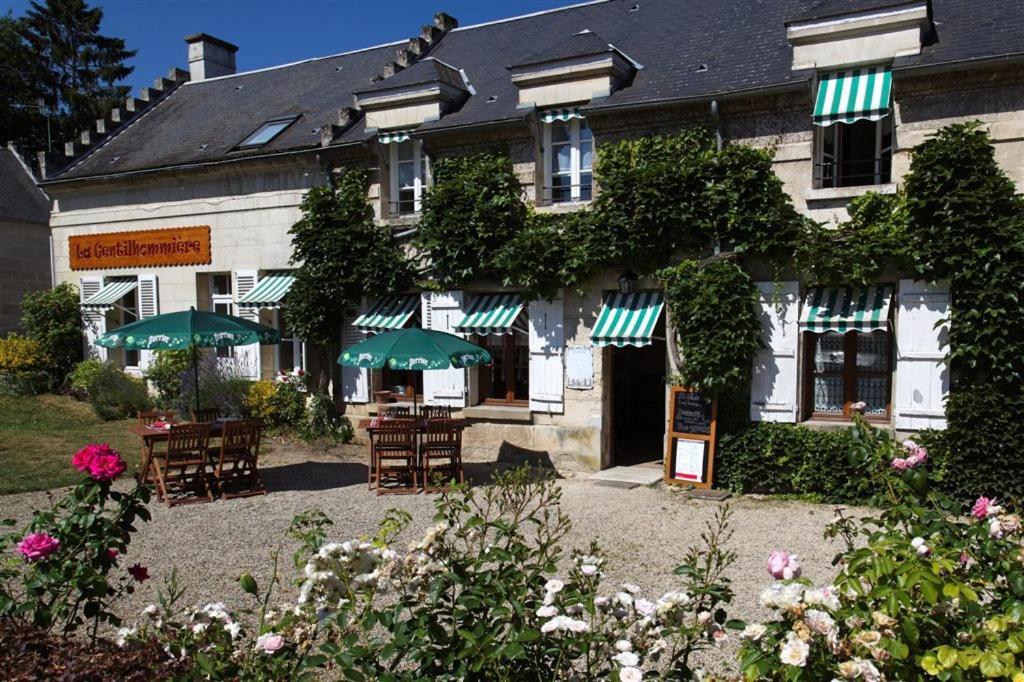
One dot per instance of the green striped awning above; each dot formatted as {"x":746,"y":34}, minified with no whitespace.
{"x":848,"y":96}
{"x":491,"y":314}
{"x":560,"y":115}
{"x":845,"y":310}
{"x":628,"y":319}
{"x":395,"y":136}
{"x":110,"y":294}
{"x":391,"y":312}
{"x":269,"y":292}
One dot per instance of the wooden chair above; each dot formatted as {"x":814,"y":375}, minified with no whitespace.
{"x":235,"y":464}
{"x":181,"y":469}
{"x":441,"y":451}
{"x":149,"y":416}
{"x":393,"y":456}
{"x":206,"y":415}
{"x":436,"y":412}
{"x":395,"y":411}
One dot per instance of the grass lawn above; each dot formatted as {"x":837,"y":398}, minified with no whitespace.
{"x":38,"y":436}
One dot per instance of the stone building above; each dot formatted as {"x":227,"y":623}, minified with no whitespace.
{"x":841,"y":91}
{"x":25,"y":263}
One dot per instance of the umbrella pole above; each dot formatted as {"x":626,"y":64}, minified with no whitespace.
{"x":195,"y":372}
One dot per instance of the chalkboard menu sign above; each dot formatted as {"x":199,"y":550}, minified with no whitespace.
{"x":691,"y":413}
{"x":690,"y":445}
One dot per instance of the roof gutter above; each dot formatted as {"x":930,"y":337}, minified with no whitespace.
{"x":201,"y":164}
{"x":957,"y":64}
{"x":485,"y":125}
{"x":774,"y":89}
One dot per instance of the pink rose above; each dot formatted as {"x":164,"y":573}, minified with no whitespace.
{"x":269,"y":642}
{"x":917,"y":454}
{"x":900,"y":464}
{"x":783,"y":566}
{"x":83,"y":458}
{"x":36,"y":546}
{"x":112,"y":554}
{"x":858,"y":407}
{"x":984,"y":508}
{"x":106,"y":464}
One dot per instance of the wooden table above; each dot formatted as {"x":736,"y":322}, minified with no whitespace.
{"x":420,"y":428}
{"x":150,"y":437}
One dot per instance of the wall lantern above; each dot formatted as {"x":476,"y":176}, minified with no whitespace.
{"x":627,"y":282}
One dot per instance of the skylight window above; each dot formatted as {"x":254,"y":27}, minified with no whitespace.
{"x":265,"y":133}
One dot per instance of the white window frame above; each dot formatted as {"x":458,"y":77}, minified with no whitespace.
{"x":119,"y":311}
{"x":298,"y":347}
{"x":420,"y":163}
{"x":837,"y":133}
{"x":229,"y":300}
{"x":576,"y":169}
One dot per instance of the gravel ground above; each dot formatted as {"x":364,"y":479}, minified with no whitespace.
{"x":644,"y":531}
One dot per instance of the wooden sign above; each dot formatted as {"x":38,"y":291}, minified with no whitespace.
{"x":690,"y":446}
{"x":141,"y":248}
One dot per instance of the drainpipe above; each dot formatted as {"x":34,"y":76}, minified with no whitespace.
{"x":716,"y":243}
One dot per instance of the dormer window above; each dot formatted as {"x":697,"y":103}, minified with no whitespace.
{"x":407,"y":163}
{"x":568,"y":157}
{"x":266,"y":132}
{"x":854,"y":131}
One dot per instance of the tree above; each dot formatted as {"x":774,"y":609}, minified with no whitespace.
{"x":343,"y":256}
{"x":53,"y":318}
{"x":79,"y":70}
{"x":21,"y":119}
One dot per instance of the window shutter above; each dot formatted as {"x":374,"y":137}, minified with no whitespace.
{"x":547,"y":343}
{"x":773,"y":385}
{"x":247,"y":357}
{"x":355,"y":381}
{"x":94,"y":322}
{"x":922,"y":372}
{"x":441,"y":312}
{"x":149,"y":306}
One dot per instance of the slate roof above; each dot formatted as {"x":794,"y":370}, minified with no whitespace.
{"x":20,"y":199}
{"x":556,"y":47}
{"x":427,"y":70}
{"x":742,"y":43}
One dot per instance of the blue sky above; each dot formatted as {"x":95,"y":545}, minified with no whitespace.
{"x":270,"y":32}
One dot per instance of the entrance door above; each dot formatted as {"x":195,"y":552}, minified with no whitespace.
{"x":638,"y":402}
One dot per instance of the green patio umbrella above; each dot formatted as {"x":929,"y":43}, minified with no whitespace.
{"x":414,"y":349}
{"x":188,"y":329}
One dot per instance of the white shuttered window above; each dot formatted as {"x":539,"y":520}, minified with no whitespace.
{"x":247,"y":357}
{"x":149,"y":306}
{"x":441,"y":311}
{"x":922,"y":374}
{"x":355,"y":381}
{"x":547,"y":343}
{"x":95,"y":321}
{"x":773,"y":386}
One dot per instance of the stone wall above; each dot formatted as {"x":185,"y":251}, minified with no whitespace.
{"x":24,"y":267}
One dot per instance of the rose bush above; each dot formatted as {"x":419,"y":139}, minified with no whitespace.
{"x":474,"y":599}
{"x":925,"y":590}
{"x":68,"y":574}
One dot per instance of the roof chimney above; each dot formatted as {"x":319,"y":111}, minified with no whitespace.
{"x":209,"y":57}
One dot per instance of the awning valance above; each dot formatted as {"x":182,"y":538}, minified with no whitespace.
{"x":395,"y":136}
{"x":112,"y":292}
{"x":848,"y":96}
{"x":491,"y":314}
{"x":846,"y":310}
{"x":392,"y":312}
{"x":628,"y":319}
{"x":269,"y":292}
{"x":560,"y":115}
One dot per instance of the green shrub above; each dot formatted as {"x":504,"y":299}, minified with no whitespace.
{"x":323,"y":421}
{"x":83,"y":374}
{"x":54,"y":319}
{"x":220,"y":386}
{"x":116,"y":395}
{"x":165,"y":373}
{"x":288,"y":404}
{"x":258,"y":401}
{"x":25,"y":382}
{"x":788,"y":459}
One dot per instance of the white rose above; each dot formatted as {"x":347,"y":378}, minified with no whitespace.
{"x":753,"y":632}
{"x":630,"y":675}
{"x":627,"y":659}
{"x":547,"y":611}
{"x":623,"y":645}
{"x":794,"y":651}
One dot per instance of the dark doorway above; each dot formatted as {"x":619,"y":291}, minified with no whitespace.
{"x":638,"y":402}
